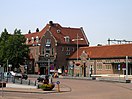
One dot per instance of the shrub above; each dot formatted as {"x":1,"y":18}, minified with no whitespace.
{"x":47,"y":87}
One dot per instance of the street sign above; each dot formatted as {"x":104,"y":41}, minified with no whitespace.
{"x":58,"y":82}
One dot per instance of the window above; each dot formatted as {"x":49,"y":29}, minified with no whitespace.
{"x":48,"y":42}
{"x":36,"y":51}
{"x":117,"y":60}
{"x":37,"y":39}
{"x":48,"y":50}
{"x":58,"y":31}
{"x":73,"y":49}
{"x":108,"y":67}
{"x":99,"y":67}
{"x":99,"y":60}
{"x":42,"y":51}
{"x":67,"y":49}
{"x":27,"y":41}
{"x":67,"y":39}
{"x":52,"y":51}
{"x":67,"y":53}
{"x":32,"y":39}
{"x":62,"y":49}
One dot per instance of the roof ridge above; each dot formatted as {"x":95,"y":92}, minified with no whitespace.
{"x":106,"y":45}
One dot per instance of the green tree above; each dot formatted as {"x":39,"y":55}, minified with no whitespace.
{"x":13,"y":48}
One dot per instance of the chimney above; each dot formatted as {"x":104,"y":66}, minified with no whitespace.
{"x":29,"y":32}
{"x":51,"y":23}
{"x":37,"y":30}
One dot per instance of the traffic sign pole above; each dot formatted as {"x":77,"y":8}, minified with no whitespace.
{"x":119,"y":70}
{"x":58,"y":86}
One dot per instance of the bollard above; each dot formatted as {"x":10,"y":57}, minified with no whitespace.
{"x":13,"y":79}
{"x":29,"y":82}
{"x":21,"y":81}
{"x":58,"y":86}
{"x":35,"y":83}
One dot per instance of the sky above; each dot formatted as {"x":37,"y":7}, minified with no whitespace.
{"x":100,"y":19}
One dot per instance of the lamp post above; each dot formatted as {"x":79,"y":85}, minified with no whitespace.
{"x":126,"y":67}
{"x":77,"y":39}
{"x":7,"y":65}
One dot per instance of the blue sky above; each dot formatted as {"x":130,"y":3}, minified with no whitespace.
{"x":100,"y":19}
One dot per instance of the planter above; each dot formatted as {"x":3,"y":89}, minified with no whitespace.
{"x":47,"y":87}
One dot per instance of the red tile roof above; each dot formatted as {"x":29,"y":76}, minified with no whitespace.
{"x":64,"y":31}
{"x":108,"y":51}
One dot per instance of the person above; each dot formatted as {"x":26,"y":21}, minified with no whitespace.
{"x":55,"y":75}
{"x":50,"y":79}
{"x":46,"y":80}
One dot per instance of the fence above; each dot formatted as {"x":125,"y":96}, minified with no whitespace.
{"x":17,"y":80}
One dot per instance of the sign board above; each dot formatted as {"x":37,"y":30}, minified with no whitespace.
{"x":58,"y":82}
{"x":119,"y":67}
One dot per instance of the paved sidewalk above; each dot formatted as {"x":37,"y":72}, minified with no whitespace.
{"x":10,"y":85}
{"x":30,"y":89}
{"x":24,"y":89}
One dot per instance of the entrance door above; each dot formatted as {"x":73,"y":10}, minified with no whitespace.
{"x":42,"y":70}
{"x":130,"y":69}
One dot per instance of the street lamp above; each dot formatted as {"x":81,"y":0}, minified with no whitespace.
{"x":77,"y":39}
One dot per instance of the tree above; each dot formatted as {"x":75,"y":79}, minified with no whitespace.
{"x":13,"y":48}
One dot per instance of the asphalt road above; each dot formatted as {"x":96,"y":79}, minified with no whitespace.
{"x":79,"y":89}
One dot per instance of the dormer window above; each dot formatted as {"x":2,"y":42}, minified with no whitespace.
{"x":27,"y":41}
{"x":32,"y":39}
{"x":37,"y":39}
{"x":67,"y":39}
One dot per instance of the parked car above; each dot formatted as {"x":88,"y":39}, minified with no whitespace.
{"x":12,"y":73}
{"x":19,"y":75}
{"x":41,"y":78}
{"x":7,"y":75}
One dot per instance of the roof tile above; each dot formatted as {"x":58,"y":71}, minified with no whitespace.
{"x":64,"y":31}
{"x":108,"y":51}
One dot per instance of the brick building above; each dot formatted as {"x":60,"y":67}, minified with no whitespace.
{"x":108,"y":59}
{"x":50,"y":47}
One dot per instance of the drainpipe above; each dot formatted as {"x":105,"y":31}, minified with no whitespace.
{"x":126,"y":67}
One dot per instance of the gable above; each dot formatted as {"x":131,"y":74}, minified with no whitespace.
{"x":59,"y":33}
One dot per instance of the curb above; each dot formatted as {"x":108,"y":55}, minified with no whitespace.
{"x":97,"y":79}
{"x":20,"y":90}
